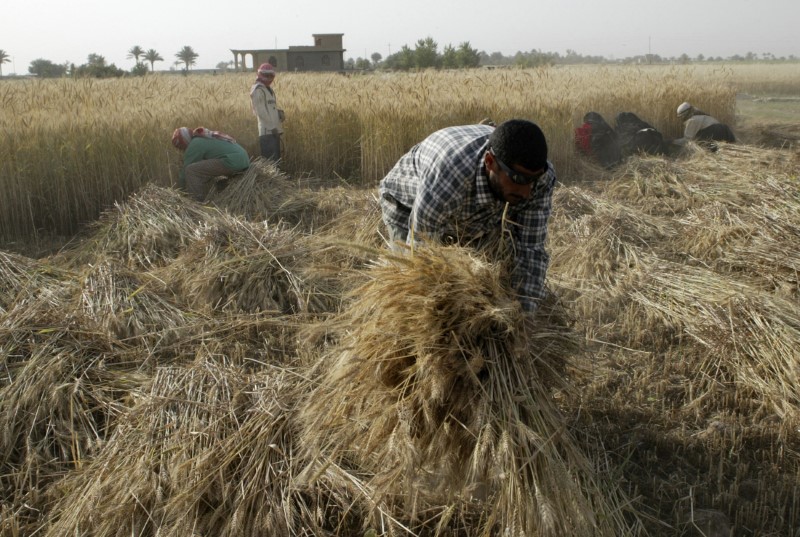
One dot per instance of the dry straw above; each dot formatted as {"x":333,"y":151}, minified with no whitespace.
{"x":148,"y":230}
{"x":429,"y":405}
{"x":260,"y":193}
{"x":236,"y":266}
{"x":129,"y":307}
{"x":442,"y":395}
{"x":22,"y":278}
{"x":181,"y":417}
{"x":680,"y":275}
{"x":758,"y":334}
{"x":60,"y":392}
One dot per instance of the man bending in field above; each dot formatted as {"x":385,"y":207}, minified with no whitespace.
{"x":207,"y":155}
{"x":701,"y":127}
{"x":457,"y":184}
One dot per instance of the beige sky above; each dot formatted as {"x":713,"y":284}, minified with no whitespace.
{"x":69,"y":31}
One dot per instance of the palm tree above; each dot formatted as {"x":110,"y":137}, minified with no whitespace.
{"x":152,"y":56}
{"x":187,"y":56}
{"x":135,"y":52}
{"x":4,"y":58}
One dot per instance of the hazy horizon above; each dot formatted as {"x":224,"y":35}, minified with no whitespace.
{"x":68,"y":32}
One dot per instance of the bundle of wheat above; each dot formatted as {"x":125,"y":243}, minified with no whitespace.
{"x":349,"y":213}
{"x":746,"y":241}
{"x":249,"y":340}
{"x":252,"y":473}
{"x":179,"y":416}
{"x":737,"y":176}
{"x":41,"y":309}
{"x":657,"y":186}
{"x":436,"y":389}
{"x":595,"y":240}
{"x":22,"y":278}
{"x":15,"y":273}
{"x":758,"y":334}
{"x":697,"y":337}
{"x":258,"y":194}
{"x":346,"y":243}
{"x":207,"y":450}
{"x":61,"y":391}
{"x":264,"y":192}
{"x":237,"y":266}
{"x":128,"y":306}
{"x":148,"y":230}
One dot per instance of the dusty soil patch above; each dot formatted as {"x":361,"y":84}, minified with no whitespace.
{"x":768,"y":121}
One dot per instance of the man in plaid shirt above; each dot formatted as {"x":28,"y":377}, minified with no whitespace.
{"x":456,"y":183}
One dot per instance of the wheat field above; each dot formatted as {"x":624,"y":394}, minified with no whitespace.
{"x":263,"y":365}
{"x":70,"y":148}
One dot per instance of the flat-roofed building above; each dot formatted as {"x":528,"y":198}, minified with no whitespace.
{"x":327,"y":54}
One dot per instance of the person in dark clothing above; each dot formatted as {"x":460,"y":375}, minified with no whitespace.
{"x":597,"y":139}
{"x":638,"y":136}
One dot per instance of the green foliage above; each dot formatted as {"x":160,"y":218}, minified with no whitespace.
{"x":468,"y":57}
{"x":406,"y":58}
{"x":96,"y":67}
{"x":140,"y":69}
{"x":449,"y":57}
{"x":425,"y":55}
{"x":534,"y":58}
{"x":47,"y":69}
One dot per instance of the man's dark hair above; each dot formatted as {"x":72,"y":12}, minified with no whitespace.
{"x":519,"y":142}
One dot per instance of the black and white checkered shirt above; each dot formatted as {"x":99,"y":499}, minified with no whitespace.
{"x":440,"y":188}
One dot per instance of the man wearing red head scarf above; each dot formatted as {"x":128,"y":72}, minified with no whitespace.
{"x":265,"y":107}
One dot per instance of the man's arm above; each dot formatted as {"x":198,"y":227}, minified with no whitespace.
{"x":532,"y":260}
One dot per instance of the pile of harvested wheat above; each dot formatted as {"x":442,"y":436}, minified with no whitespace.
{"x":185,"y":370}
{"x":440,"y":395}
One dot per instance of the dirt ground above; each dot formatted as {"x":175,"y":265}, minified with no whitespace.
{"x":768,"y":121}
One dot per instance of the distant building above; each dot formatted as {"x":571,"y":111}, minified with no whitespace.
{"x":327,"y":54}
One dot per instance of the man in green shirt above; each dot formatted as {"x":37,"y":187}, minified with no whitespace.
{"x":207,"y":154}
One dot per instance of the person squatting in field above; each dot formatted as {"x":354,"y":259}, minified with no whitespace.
{"x":207,"y":155}
{"x":456,"y":184}
{"x":595,"y":138}
{"x":270,"y":117}
{"x":701,"y":127}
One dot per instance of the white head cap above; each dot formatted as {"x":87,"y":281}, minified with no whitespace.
{"x":684,"y":110}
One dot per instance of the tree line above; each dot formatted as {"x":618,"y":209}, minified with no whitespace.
{"x":424,"y":55}
{"x":96,"y":65}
